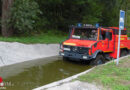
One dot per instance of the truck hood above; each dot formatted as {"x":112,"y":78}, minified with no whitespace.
{"x":77,"y":42}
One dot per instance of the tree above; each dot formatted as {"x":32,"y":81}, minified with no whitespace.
{"x":59,"y":14}
{"x":18,"y":15}
{"x":24,"y":15}
{"x":6,"y":8}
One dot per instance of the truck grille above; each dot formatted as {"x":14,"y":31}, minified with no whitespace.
{"x":80,"y":50}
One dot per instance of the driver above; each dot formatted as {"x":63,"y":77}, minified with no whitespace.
{"x":83,"y":36}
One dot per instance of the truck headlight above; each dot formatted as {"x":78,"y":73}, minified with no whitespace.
{"x":62,"y":54}
{"x":85,"y":57}
{"x":67,"y":49}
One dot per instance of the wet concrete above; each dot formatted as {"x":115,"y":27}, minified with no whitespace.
{"x":32,"y":74}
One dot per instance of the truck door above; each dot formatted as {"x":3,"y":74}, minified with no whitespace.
{"x":111,"y":44}
{"x":106,"y":39}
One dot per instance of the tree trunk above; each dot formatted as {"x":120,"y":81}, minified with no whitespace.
{"x":7,"y":30}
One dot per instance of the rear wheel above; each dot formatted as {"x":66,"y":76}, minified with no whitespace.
{"x":98,"y":60}
{"x":123,"y":53}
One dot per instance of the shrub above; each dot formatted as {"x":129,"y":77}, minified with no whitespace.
{"x":24,"y":14}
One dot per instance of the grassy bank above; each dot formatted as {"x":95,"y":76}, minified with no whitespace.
{"x":42,"y":38}
{"x":110,"y":76}
{"x":47,"y":38}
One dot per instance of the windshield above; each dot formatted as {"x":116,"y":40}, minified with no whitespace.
{"x":85,"y":34}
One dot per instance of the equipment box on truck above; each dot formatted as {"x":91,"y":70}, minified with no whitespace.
{"x":94,"y":44}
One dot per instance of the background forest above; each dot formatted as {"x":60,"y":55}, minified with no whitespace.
{"x":36,"y":17}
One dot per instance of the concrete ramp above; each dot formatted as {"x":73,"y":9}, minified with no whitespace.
{"x":11,"y":53}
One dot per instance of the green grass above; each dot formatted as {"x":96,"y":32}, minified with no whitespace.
{"x":46,"y":38}
{"x":110,"y":76}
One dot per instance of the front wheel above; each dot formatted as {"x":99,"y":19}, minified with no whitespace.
{"x":98,"y":60}
{"x":65,"y":58}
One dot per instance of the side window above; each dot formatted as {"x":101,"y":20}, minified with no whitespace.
{"x":110,"y":36}
{"x":102,"y":35}
{"x":105,"y":34}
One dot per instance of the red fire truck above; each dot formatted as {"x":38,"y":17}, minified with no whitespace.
{"x":94,"y":44}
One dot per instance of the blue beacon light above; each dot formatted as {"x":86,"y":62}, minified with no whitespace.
{"x":79,"y":24}
{"x":97,"y":25}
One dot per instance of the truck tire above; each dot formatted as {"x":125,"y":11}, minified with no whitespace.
{"x":123,"y":53}
{"x":98,"y":60}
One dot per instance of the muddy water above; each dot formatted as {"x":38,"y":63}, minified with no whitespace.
{"x":32,"y":74}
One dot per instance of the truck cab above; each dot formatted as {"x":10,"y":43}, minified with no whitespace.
{"x":93,"y":44}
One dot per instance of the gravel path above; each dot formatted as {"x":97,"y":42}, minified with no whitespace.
{"x":76,"y":85}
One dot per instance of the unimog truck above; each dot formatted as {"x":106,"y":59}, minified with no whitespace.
{"x":94,"y":44}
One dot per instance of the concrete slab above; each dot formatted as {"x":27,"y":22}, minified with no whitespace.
{"x":11,"y":53}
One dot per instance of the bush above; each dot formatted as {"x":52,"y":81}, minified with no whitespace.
{"x":24,"y":14}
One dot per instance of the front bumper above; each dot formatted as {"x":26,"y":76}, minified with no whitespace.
{"x":75,"y":55}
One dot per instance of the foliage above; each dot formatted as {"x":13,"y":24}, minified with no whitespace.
{"x":24,"y":15}
{"x":38,"y":15}
{"x":128,"y":19}
{"x":93,"y":12}
{"x":59,"y":14}
{"x":128,"y":34}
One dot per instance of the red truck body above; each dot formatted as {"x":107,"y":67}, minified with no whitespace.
{"x":103,"y":41}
